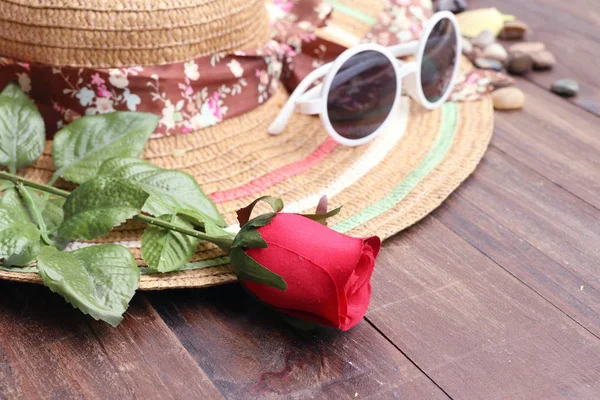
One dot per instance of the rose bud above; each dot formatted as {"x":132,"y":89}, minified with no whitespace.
{"x":327,"y":274}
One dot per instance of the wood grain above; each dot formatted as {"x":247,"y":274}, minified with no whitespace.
{"x":49,"y":350}
{"x":248,"y":352}
{"x":542,"y":234}
{"x":570,"y":30}
{"x":477,"y":331}
{"x":554,"y":138}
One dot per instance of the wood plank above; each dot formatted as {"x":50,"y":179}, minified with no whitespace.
{"x":477,"y":331}
{"x":50,"y":350}
{"x":555,"y":139}
{"x":247,"y":351}
{"x":570,"y":30}
{"x":546,"y":237}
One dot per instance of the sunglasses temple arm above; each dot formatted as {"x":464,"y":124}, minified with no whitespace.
{"x":286,"y":112}
{"x":404,"y":49}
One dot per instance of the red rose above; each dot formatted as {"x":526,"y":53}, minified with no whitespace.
{"x":328,"y":274}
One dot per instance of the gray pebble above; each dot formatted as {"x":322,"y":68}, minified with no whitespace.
{"x":484,"y":39}
{"x":455,"y":6}
{"x":467,"y":47}
{"x":488,"y":63}
{"x":565,"y":87}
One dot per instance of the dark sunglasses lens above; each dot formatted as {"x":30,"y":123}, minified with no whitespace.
{"x":361,"y":95}
{"x":439,"y":59}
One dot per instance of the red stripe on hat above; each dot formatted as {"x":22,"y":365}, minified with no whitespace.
{"x":276,"y":176}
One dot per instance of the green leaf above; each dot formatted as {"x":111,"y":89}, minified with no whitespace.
{"x":98,"y":280}
{"x":244,"y":214}
{"x":52,"y":212}
{"x":19,"y":237}
{"x":170,"y":191}
{"x":12,"y":200}
{"x":165,"y":250}
{"x":246,"y":268}
{"x":51,"y":207}
{"x":22,"y":131}
{"x":4,"y":184}
{"x":13,"y":91}
{"x":80,"y":148}
{"x":98,"y":205}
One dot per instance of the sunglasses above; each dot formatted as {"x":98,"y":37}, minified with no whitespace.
{"x":361,"y":87}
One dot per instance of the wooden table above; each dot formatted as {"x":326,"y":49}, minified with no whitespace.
{"x":494,"y":296}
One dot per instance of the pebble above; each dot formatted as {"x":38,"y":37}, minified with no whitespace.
{"x":543,"y":60}
{"x":484,"y":39}
{"x":488,"y":63}
{"x":467,"y":47}
{"x":473,"y":22}
{"x":495,"y":51}
{"x":513,"y":30}
{"x":510,"y":98}
{"x":527,"y":47}
{"x":565,"y":87}
{"x":455,"y":6}
{"x":519,"y":63}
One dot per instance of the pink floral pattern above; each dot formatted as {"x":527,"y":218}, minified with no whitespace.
{"x":188,"y":96}
{"x":401,"y":21}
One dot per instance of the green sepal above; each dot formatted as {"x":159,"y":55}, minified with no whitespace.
{"x":243,"y":214}
{"x":250,"y":239}
{"x":246,"y":268}
{"x":324,"y":216}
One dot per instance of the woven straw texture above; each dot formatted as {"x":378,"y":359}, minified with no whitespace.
{"x":120,"y":33}
{"x":384,"y":186}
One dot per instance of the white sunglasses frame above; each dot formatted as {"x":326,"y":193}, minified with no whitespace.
{"x":314,"y":101}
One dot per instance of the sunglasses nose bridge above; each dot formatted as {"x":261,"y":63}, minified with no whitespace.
{"x":408,"y":80}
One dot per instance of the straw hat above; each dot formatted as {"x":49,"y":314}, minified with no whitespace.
{"x":384,"y":186}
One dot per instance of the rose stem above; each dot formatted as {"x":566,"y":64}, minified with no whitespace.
{"x":33,"y":208}
{"x":224,"y":243}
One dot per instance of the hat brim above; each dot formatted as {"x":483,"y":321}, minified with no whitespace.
{"x":384,"y":186}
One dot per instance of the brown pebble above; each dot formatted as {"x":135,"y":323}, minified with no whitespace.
{"x":513,"y":30}
{"x":519,"y":63}
{"x":543,"y":60}
{"x":527,"y":47}
{"x":510,"y":98}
